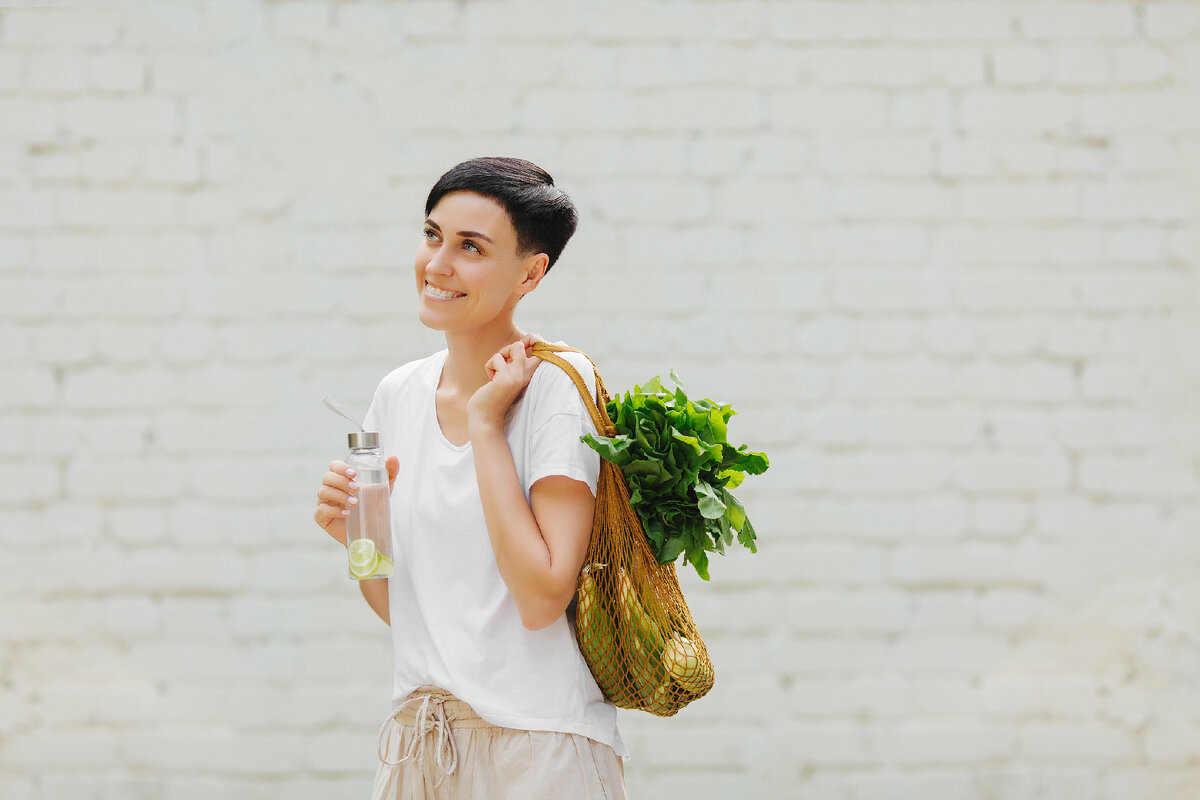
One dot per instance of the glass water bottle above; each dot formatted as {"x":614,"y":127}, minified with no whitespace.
{"x":369,"y":525}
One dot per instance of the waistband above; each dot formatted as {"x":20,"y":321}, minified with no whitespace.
{"x":430,"y":709}
{"x":457,"y":713}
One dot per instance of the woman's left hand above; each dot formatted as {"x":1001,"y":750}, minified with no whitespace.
{"x":509,"y":372}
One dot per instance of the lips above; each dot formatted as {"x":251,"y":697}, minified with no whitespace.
{"x":441,"y":293}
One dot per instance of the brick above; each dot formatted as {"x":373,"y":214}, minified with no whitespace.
{"x":886,"y":473}
{"x":1018,"y":428}
{"x":117,"y":72}
{"x":1026,"y":201}
{"x":1071,"y":21}
{"x":1020,"y":65}
{"x":895,"y":200}
{"x":1082,"y":65}
{"x":1137,"y":476}
{"x":834,"y":743}
{"x":947,"y":20}
{"x":771,"y":64}
{"x":30,"y":387}
{"x":958,"y":565}
{"x":1075,"y":742}
{"x":1156,"y":200}
{"x":28,"y":209}
{"x":119,"y":209}
{"x":121,"y":118}
{"x":62,"y":26}
{"x":1148,"y":781}
{"x":37,"y":750}
{"x":1111,"y":381}
{"x":1032,"y":382}
{"x":893,"y":155}
{"x":887,"y":337}
{"x":814,"y":109}
{"x":1009,"y":610}
{"x":1078,"y":338}
{"x":12,"y":72}
{"x":1171,"y":20}
{"x":1127,"y":111}
{"x":870,"y":65}
{"x":1012,"y":112}
{"x":691,"y":64}
{"x":1144,"y":153}
{"x":715,"y":109}
{"x":780,"y":201}
{"x":1140,"y":64}
{"x":27,"y":118}
{"x":1105,"y":428}
{"x":993,"y":293}
{"x":18,"y":788}
{"x":947,"y":335}
{"x":54,"y":73}
{"x":826,"y":612}
{"x":875,"y":292}
{"x":636,"y":201}
{"x":831,"y":20}
{"x":872,"y":426}
{"x":913,"y":379}
{"x":173,"y":166}
{"x":588,"y":111}
{"x":930,"y":743}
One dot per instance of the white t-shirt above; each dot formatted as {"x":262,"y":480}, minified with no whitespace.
{"x":454,"y":622}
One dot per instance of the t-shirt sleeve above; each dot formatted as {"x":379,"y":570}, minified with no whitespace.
{"x":559,"y":420}
{"x":373,"y":420}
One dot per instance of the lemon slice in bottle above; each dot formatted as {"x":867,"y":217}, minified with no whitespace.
{"x":364,"y":558}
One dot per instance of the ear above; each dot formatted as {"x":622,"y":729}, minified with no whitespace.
{"x":535,"y":270}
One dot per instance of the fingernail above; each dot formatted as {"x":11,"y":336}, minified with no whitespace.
{"x":350,"y":473}
{"x":351,"y":500}
{"x":345,"y":512}
{"x":353,"y":485}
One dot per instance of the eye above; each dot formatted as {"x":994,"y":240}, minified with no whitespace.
{"x":430,"y":235}
{"x":471,"y":247}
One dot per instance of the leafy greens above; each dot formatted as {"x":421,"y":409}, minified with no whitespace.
{"x":680,"y":467}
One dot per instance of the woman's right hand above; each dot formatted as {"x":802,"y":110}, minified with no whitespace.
{"x":339,"y":492}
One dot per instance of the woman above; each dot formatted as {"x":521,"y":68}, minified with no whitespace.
{"x":492,"y":503}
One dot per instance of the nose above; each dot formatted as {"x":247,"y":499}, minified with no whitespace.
{"x":439,"y":264}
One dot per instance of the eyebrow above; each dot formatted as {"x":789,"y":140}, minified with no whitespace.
{"x":463,"y":234}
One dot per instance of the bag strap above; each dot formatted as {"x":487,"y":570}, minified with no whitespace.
{"x":597,"y":407}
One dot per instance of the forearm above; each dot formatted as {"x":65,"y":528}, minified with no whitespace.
{"x":522,"y":555}
{"x":375,"y":592}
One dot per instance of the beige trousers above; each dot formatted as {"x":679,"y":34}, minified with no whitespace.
{"x":435,"y":747}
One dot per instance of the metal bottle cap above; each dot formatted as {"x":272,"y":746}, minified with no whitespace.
{"x":360,"y":439}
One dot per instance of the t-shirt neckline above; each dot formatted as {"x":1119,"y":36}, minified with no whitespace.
{"x":437,"y":425}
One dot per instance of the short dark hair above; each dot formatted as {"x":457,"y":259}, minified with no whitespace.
{"x":541,"y":213}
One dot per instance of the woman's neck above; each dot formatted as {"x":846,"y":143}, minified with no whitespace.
{"x":469,"y":351}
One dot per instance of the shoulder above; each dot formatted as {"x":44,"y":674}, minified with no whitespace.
{"x":552,"y":378}
{"x":414,"y":372}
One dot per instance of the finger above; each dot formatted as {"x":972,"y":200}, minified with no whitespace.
{"x":330,"y":496}
{"x":393,"y":468}
{"x":339,"y":482}
{"x":342,"y":468}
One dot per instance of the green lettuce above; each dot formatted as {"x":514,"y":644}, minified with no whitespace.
{"x":680,"y":467}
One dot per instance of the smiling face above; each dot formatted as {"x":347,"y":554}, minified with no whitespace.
{"x":469,"y":272}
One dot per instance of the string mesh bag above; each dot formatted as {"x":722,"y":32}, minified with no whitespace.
{"x":633,"y":625}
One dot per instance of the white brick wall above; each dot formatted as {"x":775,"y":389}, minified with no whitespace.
{"x":941,"y":255}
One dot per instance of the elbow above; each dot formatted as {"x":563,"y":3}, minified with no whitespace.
{"x":543,"y":611}
{"x":536,"y":620}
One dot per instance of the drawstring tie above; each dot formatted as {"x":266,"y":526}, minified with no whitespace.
{"x":427,"y":720}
